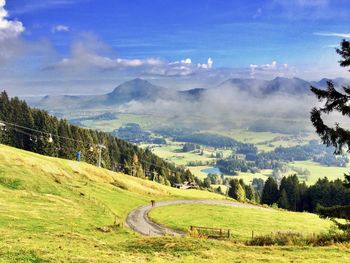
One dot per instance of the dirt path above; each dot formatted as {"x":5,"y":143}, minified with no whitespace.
{"x":139,"y":221}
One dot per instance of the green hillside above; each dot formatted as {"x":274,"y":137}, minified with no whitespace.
{"x":55,"y":210}
{"x":242,"y":221}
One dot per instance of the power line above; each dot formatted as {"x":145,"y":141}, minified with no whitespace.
{"x":17,"y":128}
{"x":42,"y":132}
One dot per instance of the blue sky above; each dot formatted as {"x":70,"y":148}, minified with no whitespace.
{"x":108,"y":42}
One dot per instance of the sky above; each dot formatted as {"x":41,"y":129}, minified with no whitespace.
{"x":90,"y":46}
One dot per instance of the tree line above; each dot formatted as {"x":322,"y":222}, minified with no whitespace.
{"x":297,"y":196}
{"x":51,"y":136}
{"x":277,"y":159}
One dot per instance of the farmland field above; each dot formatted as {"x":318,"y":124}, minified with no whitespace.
{"x":319,"y":171}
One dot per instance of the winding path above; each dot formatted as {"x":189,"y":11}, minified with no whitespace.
{"x":139,"y":221}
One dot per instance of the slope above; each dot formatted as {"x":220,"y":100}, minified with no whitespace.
{"x":54,"y":210}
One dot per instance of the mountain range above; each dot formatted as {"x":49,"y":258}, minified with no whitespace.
{"x":142,"y":90}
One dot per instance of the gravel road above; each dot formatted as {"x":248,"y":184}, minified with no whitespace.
{"x":139,"y":221}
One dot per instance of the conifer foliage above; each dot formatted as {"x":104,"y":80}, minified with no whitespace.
{"x":335,"y":101}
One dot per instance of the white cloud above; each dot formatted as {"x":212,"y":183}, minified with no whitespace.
{"x":83,"y":58}
{"x":91,"y":54}
{"x":33,"y":6}
{"x":272,"y":69}
{"x":60,"y":28}
{"x":187,"y":61}
{"x":8,"y":29}
{"x":332,"y":34}
{"x":208,"y":65}
{"x":10,"y":44}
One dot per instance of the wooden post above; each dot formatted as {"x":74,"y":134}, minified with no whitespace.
{"x":252,"y":234}
{"x":229,"y":233}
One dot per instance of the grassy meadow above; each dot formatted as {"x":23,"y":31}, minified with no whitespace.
{"x":267,"y":141}
{"x":54,"y":210}
{"x":320,"y":171}
{"x":242,"y":221}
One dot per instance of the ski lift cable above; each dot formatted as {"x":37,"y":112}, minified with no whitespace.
{"x":42,"y":132}
{"x":141,"y":161}
{"x":16,"y":128}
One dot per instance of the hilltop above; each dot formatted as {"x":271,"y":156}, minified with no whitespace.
{"x":133,"y":90}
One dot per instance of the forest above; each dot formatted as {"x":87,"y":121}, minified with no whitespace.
{"x":191,"y":136}
{"x":35,"y":130}
{"x":277,"y":158}
{"x":296,"y":196}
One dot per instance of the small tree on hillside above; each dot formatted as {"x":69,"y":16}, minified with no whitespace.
{"x":337,"y":136}
{"x":270,"y":193}
{"x":236,"y":190}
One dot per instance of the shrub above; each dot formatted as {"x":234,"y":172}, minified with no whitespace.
{"x":11,"y":183}
{"x":297,"y":239}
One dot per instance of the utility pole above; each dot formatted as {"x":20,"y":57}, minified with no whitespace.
{"x":100,"y":147}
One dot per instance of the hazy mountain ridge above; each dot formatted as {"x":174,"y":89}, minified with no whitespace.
{"x":293,"y":86}
{"x":140,"y":90}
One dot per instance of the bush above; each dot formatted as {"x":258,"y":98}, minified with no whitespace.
{"x":11,"y":183}
{"x":297,"y":239}
{"x":279,"y":239}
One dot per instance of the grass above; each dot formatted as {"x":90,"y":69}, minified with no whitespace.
{"x":319,"y":171}
{"x":197,"y":171}
{"x":51,"y":211}
{"x":249,"y":136}
{"x":242,"y":221}
{"x":173,"y":153}
{"x":248,"y":177}
{"x":267,"y":141}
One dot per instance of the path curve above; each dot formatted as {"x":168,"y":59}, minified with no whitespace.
{"x":139,"y":221}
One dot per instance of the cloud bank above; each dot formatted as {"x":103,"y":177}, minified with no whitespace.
{"x":95,"y":56}
{"x":8,"y":29}
{"x":332,"y":34}
{"x":230,"y":107}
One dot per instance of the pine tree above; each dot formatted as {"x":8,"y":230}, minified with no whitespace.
{"x":283,"y":200}
{"x":236,"y":191}
{"x":337,"y":136}
{"x":270,"y":193}
{"x":249,"y":192}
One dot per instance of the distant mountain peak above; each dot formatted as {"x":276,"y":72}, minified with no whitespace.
{"x":138,"y":81}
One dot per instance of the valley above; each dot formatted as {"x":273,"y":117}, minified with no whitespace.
{"x":163,"y":121}
{"x":174,"y":131}
{"x":198,"y":161}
